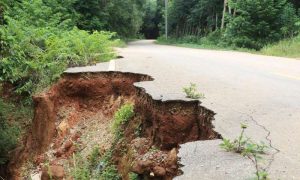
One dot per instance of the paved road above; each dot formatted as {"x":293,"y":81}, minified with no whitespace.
{"x":261,"y":91}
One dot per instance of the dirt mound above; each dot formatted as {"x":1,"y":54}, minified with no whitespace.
{"x":88,"y":101}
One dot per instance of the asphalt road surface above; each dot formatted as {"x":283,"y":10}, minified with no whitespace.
{"x":260,"y":91}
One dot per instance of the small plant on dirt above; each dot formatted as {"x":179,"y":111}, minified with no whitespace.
{"x":133,"y":176}
{"x":80,"y":168}
{"x":106,"y":168}
{"x":110,"y":172}
{"x":94,"y":157}
{"x":96,"y":166}
{"x":246,"y":147}
{"x":122,"y":116}
{"x":191,"y":92}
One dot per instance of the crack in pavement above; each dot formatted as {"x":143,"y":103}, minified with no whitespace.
{"x":268,"y":139}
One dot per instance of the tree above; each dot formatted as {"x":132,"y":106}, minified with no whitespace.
{"x":296,"y":3}
{"x":205,"y":14}
{"x":223,"y":15}
{"x":152,"y":19}
{"x":195,"y":17}
{"x":121,"y":16}
{"x":258,"y":23}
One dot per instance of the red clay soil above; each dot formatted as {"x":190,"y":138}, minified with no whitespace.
{"x":164,"y":124}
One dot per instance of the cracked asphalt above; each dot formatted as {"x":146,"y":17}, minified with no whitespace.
{"x":260,"y":91}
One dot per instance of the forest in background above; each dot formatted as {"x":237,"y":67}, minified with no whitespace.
{"x":39,"y":39}
{"x":232,"y":24}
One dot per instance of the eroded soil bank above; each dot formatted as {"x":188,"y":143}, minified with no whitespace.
{"x":76,"y":114}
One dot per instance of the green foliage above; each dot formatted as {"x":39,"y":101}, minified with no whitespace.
{"x":238,"y":145}
{"x":152,"y":19}
{"x":249,"y":24}
{"x":121,"y":16}
{"x":262,"y":175}
{"x":247,"y":148}
{"x":3,"y":6}
{"x":243,"y":145}
{"x":290,"y":21}
{"x":195,"y":18}
{"x":81,"y":169}
{"x":258,"y":23}
{"x":228,"y":145}
{"x":94,"y":157}
{"x":44,"y":13}
{"x":38,"y":43}
{"x":110,"y":172}
{"x":191,"y":92}
{"x":98,"y":166}
{"x":133,"y":176}
{"x":288,"y":48}
{"x":122,"y":116}
{"x":212,"y":40}
{"x":9,"y":134}
{"x":10,"y":119}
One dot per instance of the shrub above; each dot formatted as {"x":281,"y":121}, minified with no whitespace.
{"x":35,"y":57}
{"x":38,"y":44}
{"x":9,"y":134}
{"x":80,"y":168}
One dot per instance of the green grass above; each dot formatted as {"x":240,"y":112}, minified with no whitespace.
{"x":200,"y":43}
{"x":96,"y":166}
{"x":285,"y":48}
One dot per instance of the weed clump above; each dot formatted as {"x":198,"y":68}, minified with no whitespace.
{"x":246,"y":147}
{"x":191,"y":92}
{"x":97,"y":166}
{"x":122,"y":116}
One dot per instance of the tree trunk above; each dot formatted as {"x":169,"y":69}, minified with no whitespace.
{"x":224,"y":12}
{"x":216,"y":21}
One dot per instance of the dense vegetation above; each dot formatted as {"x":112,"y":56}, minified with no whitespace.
{"x":249,"y":24}
{"x":122,"y":16}
{"x":13,"y":119}
{"x":39,"y":39}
